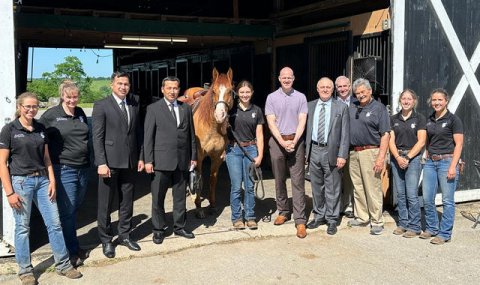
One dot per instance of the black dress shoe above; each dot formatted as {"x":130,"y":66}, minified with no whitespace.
{"x":108,"y":249}
{"x":130,"y":244}
{"x":184,"y":233}
{"x":316,"y":223}
{"x":332,"y":229}
{"x":158,"y":238}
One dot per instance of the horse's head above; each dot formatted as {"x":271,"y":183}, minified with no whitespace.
{"x":222,"y":89}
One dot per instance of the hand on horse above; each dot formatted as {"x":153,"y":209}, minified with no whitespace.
{"x":149,"y":167}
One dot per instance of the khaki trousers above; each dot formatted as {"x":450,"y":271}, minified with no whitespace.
{"x":368,"y":195}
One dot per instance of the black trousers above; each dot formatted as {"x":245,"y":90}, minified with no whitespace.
{"x":122,"y":181}
{"x":160,"y":183}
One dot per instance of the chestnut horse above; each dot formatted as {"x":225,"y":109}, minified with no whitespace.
{"x":210,"y":119}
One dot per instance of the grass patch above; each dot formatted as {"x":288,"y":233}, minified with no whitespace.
{"x":85,"y":105}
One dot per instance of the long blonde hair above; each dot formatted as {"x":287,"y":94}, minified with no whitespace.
{"x":67,"y":86}
{"x":22,"y":98}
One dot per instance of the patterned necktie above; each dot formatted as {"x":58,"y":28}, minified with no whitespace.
{"x":321,"y":125}
{"x":124,"y":111}
{"x":173,"y":112}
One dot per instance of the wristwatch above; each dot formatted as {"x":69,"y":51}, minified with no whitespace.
{"x":407,"y":158}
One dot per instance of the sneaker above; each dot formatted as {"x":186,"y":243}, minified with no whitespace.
{"x":399,"y":231}
{"x":251,"y":224}
{"x":425,"y":235}
{"x":28,"y":279}
{"x":356,"y":223}
{"x":239,"y":225}
{"x":438,"y":241}
{"x":376,"y":230}
{"x":71,"y":273}
{"x":410,"y":234}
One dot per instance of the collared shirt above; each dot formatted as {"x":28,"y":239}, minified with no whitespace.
{"x":440,"y":133}
{"x":406,"y":130}
{"x":286,"y":108}
{"x":175,"y":108}
{"x":346,"y":101}
{"x":27,"y":148}
{"x":368,"y":124}
{"x":244,"y":122}
{"x":68,"y":136}
{"x":119,"y":102}
{"x":316,"y":118}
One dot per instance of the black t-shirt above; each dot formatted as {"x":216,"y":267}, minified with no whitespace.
{"x":368,"y":123}
{"x":27,"y":149}
{"x":440,"y":133}
{"x":406,"y":131}
{"x":244,"y":123}
{"x":68,"y":136}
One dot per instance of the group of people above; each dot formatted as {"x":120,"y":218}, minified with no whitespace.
{"x":344,"y":139}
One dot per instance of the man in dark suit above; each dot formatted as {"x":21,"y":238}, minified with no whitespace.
{"x":117,"y":142}
{"x":327,"y":151}
{"x":170,"y":151}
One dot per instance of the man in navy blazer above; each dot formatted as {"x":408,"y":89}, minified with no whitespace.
{"x":117,"y":141}
{"x":327,"y":151}
{"x":170,"y":152}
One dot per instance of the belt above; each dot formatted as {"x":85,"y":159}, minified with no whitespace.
{"x":243,"y":144}
{"x":37,"y":173}
{"x":288,"y":137}
{"x":319,"y":144}
{"x":436,"y":157}
{"x":363,"y":147}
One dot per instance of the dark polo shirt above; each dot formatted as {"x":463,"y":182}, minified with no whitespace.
{"x":368,"y":123}
{"x":244,"y":123}
{"x":406,"y":130}
{"x":27,"y":149}
{"x":440,"y":133}
{"x":68,"y":136}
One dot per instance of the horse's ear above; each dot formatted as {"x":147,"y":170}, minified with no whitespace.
{"x":230,"y":74}
{"x":214,"y":74}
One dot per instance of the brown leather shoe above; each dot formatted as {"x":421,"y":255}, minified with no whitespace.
{"x":280,"y":220}
{"x":301,"y":231}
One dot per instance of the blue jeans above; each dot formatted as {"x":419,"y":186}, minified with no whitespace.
{"x":435,"y":176}
{"x":71,"y":188}
{"x":405,"y":186}
{"x":238,"y":169}
{"x":35,"y":189}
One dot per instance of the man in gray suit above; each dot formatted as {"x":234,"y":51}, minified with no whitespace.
{"x":327,"y":152}
{"x":170,"y":151}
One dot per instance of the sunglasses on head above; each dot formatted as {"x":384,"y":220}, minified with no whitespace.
{"x":357,"y":114}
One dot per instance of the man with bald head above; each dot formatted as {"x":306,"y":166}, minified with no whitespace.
{"x":344,"y":95}
{"x":286,"y":111}
{"x":328,"y":143}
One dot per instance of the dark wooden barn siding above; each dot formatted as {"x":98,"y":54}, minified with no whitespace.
{"x":430,"y":62}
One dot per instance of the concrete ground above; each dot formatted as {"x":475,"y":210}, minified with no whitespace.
{"x":269,"y":255}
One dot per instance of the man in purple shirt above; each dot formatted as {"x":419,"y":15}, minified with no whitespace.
{"x":286,"y":111}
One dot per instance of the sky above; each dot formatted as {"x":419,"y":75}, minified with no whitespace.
{"x":44,"y":60}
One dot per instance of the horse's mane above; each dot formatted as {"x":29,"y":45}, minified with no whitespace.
{"x":206,"y":104}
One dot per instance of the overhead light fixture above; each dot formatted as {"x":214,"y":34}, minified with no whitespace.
{"x":155,"y":39}
{"x":130,"y":46}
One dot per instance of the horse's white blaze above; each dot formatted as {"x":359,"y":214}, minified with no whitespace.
{"x":221,"y":109}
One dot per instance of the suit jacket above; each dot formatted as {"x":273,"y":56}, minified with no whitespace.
{"x":338,"y":141}
{"x":166,"y":145}
{"x":115,"y":142}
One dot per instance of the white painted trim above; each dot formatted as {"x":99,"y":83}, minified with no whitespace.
{"x":458,"y":50}
{"x":398,"y":57}
{"x":7,"y":100}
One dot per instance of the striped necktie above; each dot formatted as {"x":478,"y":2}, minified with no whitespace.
{"x":321,"y":125}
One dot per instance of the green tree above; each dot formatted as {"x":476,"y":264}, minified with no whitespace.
{"x":71,"y":68}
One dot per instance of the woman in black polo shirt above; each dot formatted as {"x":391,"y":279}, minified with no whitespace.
{"x":67,"y":130}
{"x":246,"y":120}
{"x":407,"y":140}
{"x":444,"y":147}
{"x":27,"y":177}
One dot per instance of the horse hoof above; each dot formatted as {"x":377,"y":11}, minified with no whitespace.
{"x":200,"y":214}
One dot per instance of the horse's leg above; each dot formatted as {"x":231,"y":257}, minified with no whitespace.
{"x":198,"y":200}
{"x":213,"y":181}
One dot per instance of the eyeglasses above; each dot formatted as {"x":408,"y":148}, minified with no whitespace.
{"x":30,"y":107}
{"x":359,"y":110}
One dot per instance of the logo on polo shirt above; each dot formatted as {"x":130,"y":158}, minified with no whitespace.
{"x":413,"y":125}
{"x":1,"y":143}
{"x":42,"y":135}
{"x":254,"y":115}
{"x":81,"y":119}
{"x":444,"y":125}
{"x":61,"y":119}
{"x":395,"y":125}
{"x":368,"y":114}
{"x":18,"y":136}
